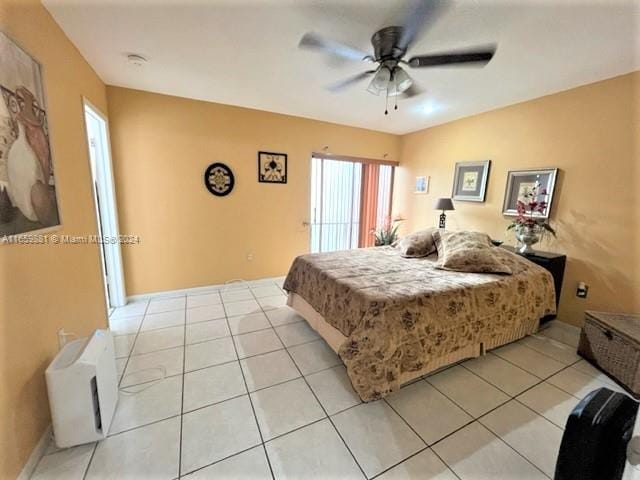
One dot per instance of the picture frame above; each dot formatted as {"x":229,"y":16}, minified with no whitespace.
{"x":422,"y":185}
{"x":518,"y":181}
{"x":272,"y":167}
{"x":470,"y":181}
{"x":28,"y":195}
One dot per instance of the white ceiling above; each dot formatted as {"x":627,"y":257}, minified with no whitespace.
{"x":244,"y":52}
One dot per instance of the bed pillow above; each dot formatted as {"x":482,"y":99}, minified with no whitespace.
{"x":418,"y":244}
{"x":468,"y":252}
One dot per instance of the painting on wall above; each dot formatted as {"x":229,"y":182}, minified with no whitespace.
{"x":27,"y":186}
{"x":272,"y":167}
{"x":470,"y":181}
{"x":422,"y":185}
{"x":522,"y":182}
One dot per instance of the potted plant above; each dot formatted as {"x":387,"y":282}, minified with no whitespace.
{"x":529,"y":226}
{"x":387,"y":234}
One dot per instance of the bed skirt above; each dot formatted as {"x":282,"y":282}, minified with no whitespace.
{"x":335,"y":339}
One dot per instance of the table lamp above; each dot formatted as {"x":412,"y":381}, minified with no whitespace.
{"x":443,"y":204}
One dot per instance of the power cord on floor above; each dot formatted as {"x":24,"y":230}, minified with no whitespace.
{"x":235,"y":281}
{"x":134,"y":390}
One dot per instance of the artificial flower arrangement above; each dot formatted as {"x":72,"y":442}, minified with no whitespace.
{"x":528,"y":227}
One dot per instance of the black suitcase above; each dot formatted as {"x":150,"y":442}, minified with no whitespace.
{"x":595,"y":439}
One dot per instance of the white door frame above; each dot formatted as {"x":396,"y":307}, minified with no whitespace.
{"x":107,"y":215}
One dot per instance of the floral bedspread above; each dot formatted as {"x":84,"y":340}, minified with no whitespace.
{"x":398,"y":313}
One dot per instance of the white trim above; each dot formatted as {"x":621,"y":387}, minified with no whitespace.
{"x":106,"y":185}
{"x":38,"y":452}
{"x":201,"y":290}
{"x":175,"y":293}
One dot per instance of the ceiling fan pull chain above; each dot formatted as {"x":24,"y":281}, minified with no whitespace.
{"x":395,"y":98}
{"x":386,"y":103}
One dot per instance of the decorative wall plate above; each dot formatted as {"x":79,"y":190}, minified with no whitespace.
{"x":219,"y":179}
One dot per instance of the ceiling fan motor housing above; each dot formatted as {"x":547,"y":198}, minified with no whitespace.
{"x":385,"y":43}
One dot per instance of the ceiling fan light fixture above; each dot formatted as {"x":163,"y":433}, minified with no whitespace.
{"x":400,"y":83}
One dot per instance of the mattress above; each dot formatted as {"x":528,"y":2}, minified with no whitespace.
{"x":398,"y":317}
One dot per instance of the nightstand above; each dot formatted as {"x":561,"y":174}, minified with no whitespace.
{"x":553,"y":262}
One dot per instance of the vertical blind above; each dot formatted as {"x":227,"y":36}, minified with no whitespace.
{"x":348,"y":200}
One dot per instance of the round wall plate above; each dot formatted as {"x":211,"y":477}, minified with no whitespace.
{"x":219,"y":179}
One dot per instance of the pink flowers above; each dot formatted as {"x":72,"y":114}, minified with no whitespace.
{"x":531,"y":210}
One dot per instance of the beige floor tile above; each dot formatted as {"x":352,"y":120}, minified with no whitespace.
{"x":313,"y":452}
{"x":424,"y":466}
{"x":216,"y":432}
{"x":212,"y":385}
{"x":531,"y":435}
{"x":467,"y":390}
{"x":528,"y":359}
{"x":150,"y":366}
{"x":249,"y":465}
{"x":377,"y":436}
{"x":147,"y":452}
{"x":248,"y":323}
{"x":432,"y":415}
{"x":285,"y":407}
{"x":550,"y":402}
{"x":498,"y":372}
{"x":283,"y":316}
{"x":314,"y":356}
{"x":256,"y":343}
{"x":143,"y":404}
{"x":474,"y":453}
{"x":334,"y":390}
{"x":296,"y":333}
{"x":209,"y":353}
{"x":264,"y":370}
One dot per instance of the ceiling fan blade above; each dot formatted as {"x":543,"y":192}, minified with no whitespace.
{"x":339,"y":86}
{"x":313,"y":41}
{"x":421,"y":14}
{"x":479,"y":56}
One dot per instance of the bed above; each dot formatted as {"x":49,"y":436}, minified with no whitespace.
{"x":393,"y":319}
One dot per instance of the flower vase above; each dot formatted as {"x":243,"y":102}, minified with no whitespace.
{"x":528,"y":235}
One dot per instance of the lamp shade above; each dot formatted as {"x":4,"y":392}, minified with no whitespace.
{"x":444,"y":204}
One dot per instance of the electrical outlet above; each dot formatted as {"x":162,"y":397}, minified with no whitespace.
{"x":249,"y":257}
{"x":582,"y":290}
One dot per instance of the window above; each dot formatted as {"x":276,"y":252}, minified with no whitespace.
{"x":349,"y":199}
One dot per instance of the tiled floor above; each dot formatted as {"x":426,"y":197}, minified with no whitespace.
{"x":250,"y":391}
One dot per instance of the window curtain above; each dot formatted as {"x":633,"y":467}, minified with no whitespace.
{"x":369,"y":204}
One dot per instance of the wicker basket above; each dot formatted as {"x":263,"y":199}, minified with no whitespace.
{"x":612,"y":343}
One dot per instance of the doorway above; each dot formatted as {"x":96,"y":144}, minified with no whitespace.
{"x":105,"y":205}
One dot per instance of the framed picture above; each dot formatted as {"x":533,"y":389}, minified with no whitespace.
{"x":422,"y":184}
{"x":470,"y":181}
{"x":272,"y":167}
{"x":27,"y":186}
{"x":521,"y":182}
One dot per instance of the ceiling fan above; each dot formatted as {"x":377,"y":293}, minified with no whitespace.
{"x":390,"y":45}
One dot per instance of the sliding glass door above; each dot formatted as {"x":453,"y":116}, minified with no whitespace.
{"x":349,"y":199}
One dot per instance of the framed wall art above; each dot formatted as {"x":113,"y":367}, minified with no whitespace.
{"x":28,"y":198}
{"x":272,"y":167}
{"x":422,"y":185}
{"x":521,"y":182}
{"x":470,"y":181}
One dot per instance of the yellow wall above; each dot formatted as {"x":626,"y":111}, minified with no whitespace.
{"x":44,"y":288}
{"x":592,"y":134}
{"x":161,"y":147}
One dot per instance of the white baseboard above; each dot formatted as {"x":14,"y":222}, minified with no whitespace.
{"x":37,"y":453}
{"x":173,"y":293}
{"x":198,"y":290}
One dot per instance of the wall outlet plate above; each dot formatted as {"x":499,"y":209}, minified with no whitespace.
{"x":582,"y":290}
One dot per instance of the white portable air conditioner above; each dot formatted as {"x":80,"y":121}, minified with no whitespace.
{"x":83,"y":390}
